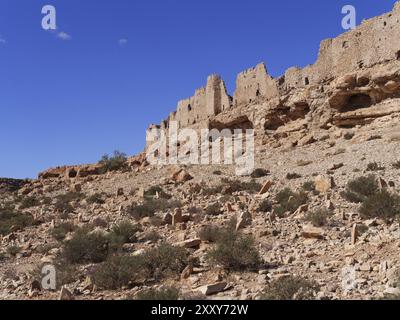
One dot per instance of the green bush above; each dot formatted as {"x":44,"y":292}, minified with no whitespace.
{"x":13,"y":250}
{"x":214,"y":209}
{"x":265,"y":206}
{"x":293,"y":176}
{"x":151,"y":206}
{"x":289,"y":201}
{"x":96,"y":198}
{"x":165,"y":260}
{"x":119,"y":271}
{"x":86,"y":246}
{"x":318,"y":218}
{"x":123,"y":232}
{"x":163,"y":294}
{"x":29,"y":202}
{"x":113,"y":163}
{"x":237,"y":185}
{"x":308,"y":186}
{"x":60,"y":232}
{"x":384,"y":205}
{"x":209,"y":233}
{"x":63,"y":202}
{"x":11,"y":221}
{"x":259,"y":173}
{"x":359,"y":189}
{"x":290,"y":288}
{"x":349,"y":135}
{"x":234,"y":250}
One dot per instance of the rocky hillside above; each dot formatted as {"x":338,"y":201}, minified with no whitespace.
{"x":317,"y":219}
{"x":313,"y":212}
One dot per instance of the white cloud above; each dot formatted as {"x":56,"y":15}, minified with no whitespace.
{"x":2,"y":40}
{"x":64,"y":36}
{"x":122,"y":42}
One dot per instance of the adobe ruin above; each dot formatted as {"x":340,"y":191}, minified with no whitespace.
{"x":349,"y":84}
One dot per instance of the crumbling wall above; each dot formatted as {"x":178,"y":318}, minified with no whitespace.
{"x":206,"y":102}
{"x":254,"y":84}
{"x":374,"y":42}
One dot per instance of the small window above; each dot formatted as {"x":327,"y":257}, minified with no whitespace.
{"x":306,"y":81}
{"x":189,"y":108}
{"x":398,"y":55}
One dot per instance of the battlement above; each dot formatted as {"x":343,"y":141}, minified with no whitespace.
{"x":374,"y":42}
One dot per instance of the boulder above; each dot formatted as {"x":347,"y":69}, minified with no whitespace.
{"x":191,"y":243}
{"x":310,"y":232}
{"x":265,"y":188}
{"x":211,"y":289}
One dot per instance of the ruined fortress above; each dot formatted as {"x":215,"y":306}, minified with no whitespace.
{"x":355,"y":79}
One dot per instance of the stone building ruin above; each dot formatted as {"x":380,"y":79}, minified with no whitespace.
{"x":355,"y":79}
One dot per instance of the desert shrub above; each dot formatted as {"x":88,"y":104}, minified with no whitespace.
{"x":46,"y":200}
{"x":374,"y":166}
{"x":117,"y":161}
{"x":349,"y":135}
{"x":214,"y":209}
{"x":63,"y":201}
{"x":289,"y":201}
{"x":86,"y":247}
{"x":209,"y":233}
{"x":290,"y":288}
{"x":123,"y":232}
{"x":162,"y":294}
{"x":234,"y":251}
{"x":237,"y":185}
{"x":359,"y":189}
{"x":265,"y":206}
{"x":60,"y":232}
{"x":29,"y":202}
{"x":96,"y":198}
{"x":318,"y":218}
{"x":308,"y":186}
{"x":165,"y":260}
{"x":11,"y":221}
{"x":293,"y":176}
{"x":396,"y":165}
{"x":152,"y":236}
{"x":153,"y":191}
{"x":384,"y":205}
{"x":13,"y":250}
{"x":119,"y":271}
{"x":151,"y":206}
{"x":259,"y":173}
{"x":213,"y":190}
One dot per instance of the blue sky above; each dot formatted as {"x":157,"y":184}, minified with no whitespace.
{"x":126,"y":63}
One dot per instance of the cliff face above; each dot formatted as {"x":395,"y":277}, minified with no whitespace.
{"x":355,"y":79}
